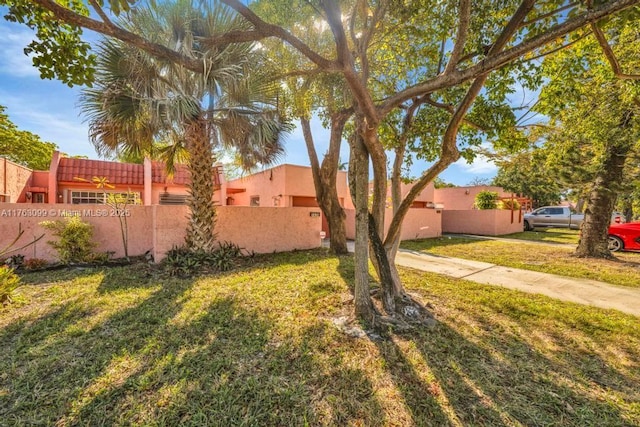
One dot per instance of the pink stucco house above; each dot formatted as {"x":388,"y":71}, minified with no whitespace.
{"x":69,"y":180}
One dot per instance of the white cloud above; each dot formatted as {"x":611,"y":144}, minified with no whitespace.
{"x":13,"y":61}
{"x":481,"y":165}
{"x":55,"y":123}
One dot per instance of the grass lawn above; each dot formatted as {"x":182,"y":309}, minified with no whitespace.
{"x":550,"y":235}
{"x":257,"y":347}
{"x":556,"y":259}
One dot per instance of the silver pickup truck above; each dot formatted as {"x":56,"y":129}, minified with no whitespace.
{"x":553,"y":216}
{"x":559,"y":216}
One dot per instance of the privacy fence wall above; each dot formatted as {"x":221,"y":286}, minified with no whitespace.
{"x":417,"y":224}
{"x":490,"y":222}
{"x":158,"y":228}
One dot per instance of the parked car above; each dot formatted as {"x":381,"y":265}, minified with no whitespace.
{"x":618,"y":218}
{"x":624,"y":237}
{"x":553,"y":216}
{"x":560,"y":217}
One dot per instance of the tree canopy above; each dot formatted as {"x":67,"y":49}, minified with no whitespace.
{"x":23,"y":147}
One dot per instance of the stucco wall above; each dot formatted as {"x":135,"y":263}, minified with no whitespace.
{"x":158,"y":189}
{"x":106,"y":227}
{"x":265,"y":230}
{"x":13,"y":180}
{"x":417,"y":224}
{"x":159,"y":228}
{"x":491,"y":222}
{"x":277,"y":186}
{"x":267,"y":185}
{"x":463,"y":198}
{"x":169,"y":226}
{"x":426,"y":195}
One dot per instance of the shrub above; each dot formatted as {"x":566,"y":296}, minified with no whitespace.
{"x":35,"y":263}
{"x":223,"y":258}
{"x":183,"y":262}
{"x":509,"y":204}
{"x":8,"y":282}
{"x":74,"y":244}
{"x":14,"y":262}
{"x":487,"y":200}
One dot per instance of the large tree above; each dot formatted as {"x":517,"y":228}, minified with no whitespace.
{"x":595,"y":123}
{"x":479,"y":38}
{"x":139,"y":100}
{"x":529,"y":174}
{"x":22,"y":146}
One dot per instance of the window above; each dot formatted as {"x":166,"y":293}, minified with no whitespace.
{"x":4,"y":198}
{"x":98,"y":197}
{"x":38,"y":197}
{"x":254,"y":201}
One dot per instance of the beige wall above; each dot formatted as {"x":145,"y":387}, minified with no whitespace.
{"x":463,"y":198}
{"x":269,"y":185}
{"x":106,"y":227}
{"x":277,"y":186}
{"x":13,"y":180}
{"x":265,"y":230}
{"x":426,"y":195}
{"x":158,"y":189}
{"x":490,"y":222}
{"x":417,"y":224}
{"x":159,"y":228}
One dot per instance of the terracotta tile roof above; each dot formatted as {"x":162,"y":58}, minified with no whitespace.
{"x":123,"y":173}
{"x":181,"y":175}
{"x":117,"y":173}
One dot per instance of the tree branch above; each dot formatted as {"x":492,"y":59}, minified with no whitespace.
{"x":499,"y":59}
{"x":610,"y":55}
{"x":461,"y":36}
{"x":269,"y":30}
{"x":345,"y":59}
{"x":107,"y":28}
{"x":450,"y":153}
{"x":451,"y":109}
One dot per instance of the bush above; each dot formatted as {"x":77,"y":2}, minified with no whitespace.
{"x":74,"y":244}
{"x":35,"y":263}
{"x":14,"y":262}
{"x":8,"y":282}
{"x":183,"y":262}
{"x":509,"y":204}
{"x":487,"y":200}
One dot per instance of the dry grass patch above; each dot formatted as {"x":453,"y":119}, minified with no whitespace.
{"x":557,"y":259}
{"x":548,"y":235}
{"x":257,"y":347}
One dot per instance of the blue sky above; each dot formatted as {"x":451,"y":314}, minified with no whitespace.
{"x":49,"y":109}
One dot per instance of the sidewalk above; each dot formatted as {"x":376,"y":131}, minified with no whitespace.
{"x":581,"y":291}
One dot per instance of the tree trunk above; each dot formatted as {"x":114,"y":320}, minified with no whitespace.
{"x":359,"y":183}
{"x":594,"y":234}
{"x":324,"y":180}
{"x":202,"y":211}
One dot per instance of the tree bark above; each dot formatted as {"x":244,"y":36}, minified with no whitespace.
{"x":359,"y":183}
{"x":324,"y":180}
{"x":602,"y":198}
{"x":202,"y":211}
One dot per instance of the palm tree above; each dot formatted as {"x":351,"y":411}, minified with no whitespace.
{"x":139,"y":100}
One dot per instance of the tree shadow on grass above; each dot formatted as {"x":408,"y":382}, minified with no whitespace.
{"x":50,"y":359}
{"x":166,"y":353}
{"x":494,"y":370}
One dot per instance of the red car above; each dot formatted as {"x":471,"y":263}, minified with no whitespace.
{"x":624,"y":237}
